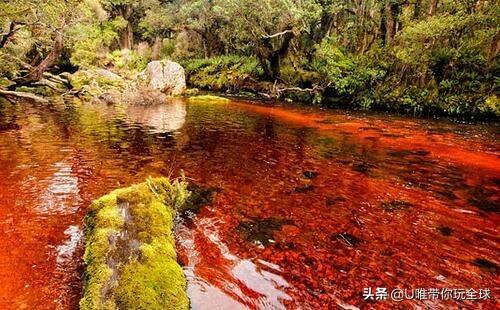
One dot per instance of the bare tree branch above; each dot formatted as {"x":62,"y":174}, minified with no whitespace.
{"x":267,"y":36}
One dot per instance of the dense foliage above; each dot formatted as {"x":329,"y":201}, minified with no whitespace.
{"x":418,"y":56}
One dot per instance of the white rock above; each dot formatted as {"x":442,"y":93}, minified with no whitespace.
{"x":166,"y":76}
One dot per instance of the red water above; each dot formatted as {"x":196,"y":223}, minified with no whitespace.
{"x":311,"y":206}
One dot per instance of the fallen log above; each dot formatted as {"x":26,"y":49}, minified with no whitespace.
{"x":9,"y":95}
{"x":55,"y":86}
{"x":57,"y":79}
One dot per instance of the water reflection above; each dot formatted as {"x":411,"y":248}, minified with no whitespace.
{"x":66,"y":251}
{"x":62,"y":194}
{"x":247,"y":282}
{"x":160,"y":118}
{"x":304,"y":215}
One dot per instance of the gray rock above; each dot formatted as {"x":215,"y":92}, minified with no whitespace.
{"x":96,"y":79}
{"x":166,"y":76}
{"x":106,"y":74}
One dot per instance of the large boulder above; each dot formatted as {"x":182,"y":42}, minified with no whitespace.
{"x":166,"y":76}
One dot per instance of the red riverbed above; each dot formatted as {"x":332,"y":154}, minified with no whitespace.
{"x":309,"y":206}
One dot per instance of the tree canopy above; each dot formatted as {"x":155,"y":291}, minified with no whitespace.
{"x":417,"y":55}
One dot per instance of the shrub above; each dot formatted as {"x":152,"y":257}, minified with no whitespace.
{"x":128,"y":60}
{"x":349,"y":74}
{"x":220,"y":73}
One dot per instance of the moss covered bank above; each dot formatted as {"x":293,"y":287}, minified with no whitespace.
{"x":130,"y":253}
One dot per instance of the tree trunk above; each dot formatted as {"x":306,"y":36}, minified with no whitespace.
{"x":327,"y":19}
{"x":127,"y":37}
{"x":493,"y":51}
{"x":6,"y":36}
{"x":155,"y":55}
{"x":36,"y":60}
{"x":432,"y":7}
{"x":270,"y":58}
{"x":37,"y":72}
{"x":264,"y":65}
{"x":389,"y":22}
{"x":383,"y":26}
{"x":275,"y":66}
{"x":422,"y":76}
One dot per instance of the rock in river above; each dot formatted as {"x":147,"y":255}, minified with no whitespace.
{"x":130,"y":256}
{"x":166,"y":76}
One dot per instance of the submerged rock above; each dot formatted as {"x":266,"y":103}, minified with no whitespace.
{"x":261,"y":231}
{"x":445,"y":231}
{"x":130,"y":253}
{"x":198,"y":198}
{"x":166,"y":76}
{"x":485,"y":198}
{"x":310,"y":174}
{"x":331,"y":201}
{"x":405,"y":153}
{"x":304,"y":189}
{"x":486,"y":265}
{"x":362,"y":167}
{"x":347,"y":239}
{"x":396,"y":205}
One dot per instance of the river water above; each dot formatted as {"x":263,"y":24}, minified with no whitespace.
{"x":309,"y":206}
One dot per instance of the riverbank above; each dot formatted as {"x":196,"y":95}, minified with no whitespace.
{"x":242,"y":77}
{"x":127,"y":80}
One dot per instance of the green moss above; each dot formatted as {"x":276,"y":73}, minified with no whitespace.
{"x":4,"y":82}
{"x":130,"y":254}
{"x":492,"y":105}
{"x":157,"y":282}
{"x":191,"y":92}
{"x":96,"y":81}
{"x":102,"y":221}
{"x":206,"y":98}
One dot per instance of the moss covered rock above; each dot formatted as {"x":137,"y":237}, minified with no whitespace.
{"x":96,"y":81}
{"x":130,"y":253}
{"x":208,"y":98}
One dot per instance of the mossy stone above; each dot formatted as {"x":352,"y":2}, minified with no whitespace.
{"x":208,"y":98}
{"x":130,"y":253}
